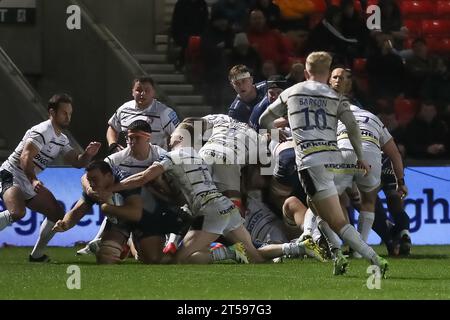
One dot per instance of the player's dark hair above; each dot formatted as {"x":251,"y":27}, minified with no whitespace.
{"x":100,"y":165}
{"x":140,"y":125}
{"x":57,"y":99}
{"x":144,"y":79}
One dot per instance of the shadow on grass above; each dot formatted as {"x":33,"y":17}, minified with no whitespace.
{"x":418,"y":278}
{"x":428,"y":256}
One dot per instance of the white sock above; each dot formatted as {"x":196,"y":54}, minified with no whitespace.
{"x":351,"y":236}
{"x":45,"y":235}
{"x":308,"y":223}
{"x":316,"y":235}
{"x":333,"y":240}
{"x":99,"y":234}
{"x":5,"y":219}
{"x":365,"y":222}
{"x":292,"y":249}
{"x":402,"y":233}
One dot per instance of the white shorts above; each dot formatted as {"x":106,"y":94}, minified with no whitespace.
{"x":318,"y":182}
{"x":19,"y":180}
{"x":226,"y":176}
{"x":220,"y":216}
{"x":348,"y":172}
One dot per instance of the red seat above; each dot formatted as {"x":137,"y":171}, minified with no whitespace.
{"x":405,"y":110}
{"x":372,"y":2}
{"x":314,"y":20}
{"x":443,"y":8}
{"x":414,"y":26}
{"x":436,"y":27}
{"x":319,"y":6}
{"x":417,"y":8}
{"x":359,"y":65}
{"x":194,"y":57}
{"x":193,"y":50}
{"x":357,"y":5}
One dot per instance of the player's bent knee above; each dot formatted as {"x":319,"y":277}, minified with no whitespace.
{"x":288,"y":213}
{"x":18,"y":214}
{"x":109,"y":252}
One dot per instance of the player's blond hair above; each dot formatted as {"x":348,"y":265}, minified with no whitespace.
{"x":318,"y":63}
{"x":237,"y":70}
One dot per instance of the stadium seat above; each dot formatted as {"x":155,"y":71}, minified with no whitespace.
{"x":414,"y":26}
{"x":319,"y":6}
{"x":314,"y":20}
{"x":438,"y":45}
{"x":359,"y":65}
{"x":193,"y":56}
{"x":436,"y":27}
{"x":357,"y":5}
{"x":405,"y":110}
{"x":193,"y":49}
{"x":417,"y":8}
{"x":372,"y":2}
{"x":443,"y":8}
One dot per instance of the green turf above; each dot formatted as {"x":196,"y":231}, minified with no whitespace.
{"x":425,"y":275}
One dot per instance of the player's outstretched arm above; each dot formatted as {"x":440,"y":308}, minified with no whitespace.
{"x":72,"y":217}
{"x":139,"y":179}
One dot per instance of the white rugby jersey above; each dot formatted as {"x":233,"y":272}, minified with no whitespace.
{"x":313,"y":110}
{"x":162,"y":119}
{"x":50,"y":146}
{"x":260,"y":220}
{"x":186,"y":170}
{"x":230,"y":142}
{"x":374,"y":133}
{"x":125,"y":161}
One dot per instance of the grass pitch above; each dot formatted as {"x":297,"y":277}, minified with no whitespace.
{"x":424,"y":275}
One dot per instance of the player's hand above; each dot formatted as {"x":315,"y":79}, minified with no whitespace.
{"x":102,"y":196}
{"x":60,"y":226}
{"x":362,"y":164}
{"x":402,"y":189}
{"x":92,"y":149}
{"x":281,"y":123}
{"x":114,"y":147}
{"x":282,"y":135}
{"x":38,"y":185}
